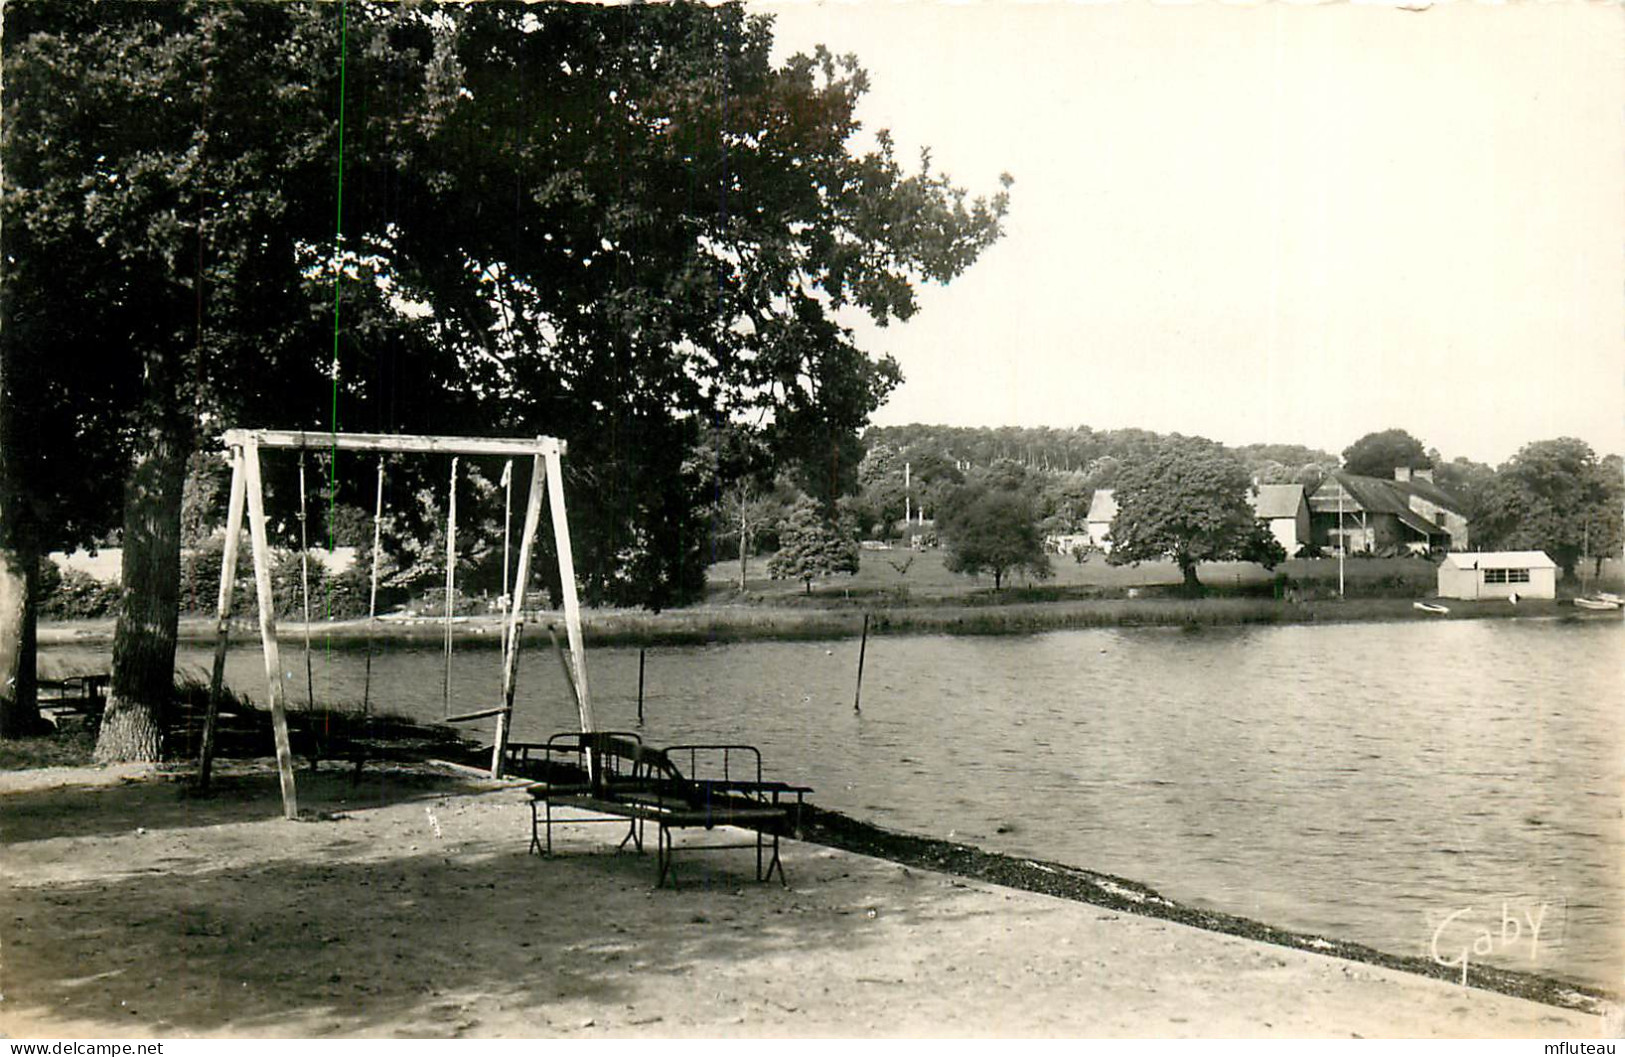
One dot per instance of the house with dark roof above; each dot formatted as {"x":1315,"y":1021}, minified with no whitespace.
{"x":1285,"y":509}
{"x":1373,"y":515}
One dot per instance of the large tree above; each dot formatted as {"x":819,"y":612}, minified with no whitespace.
{"x":1378,"y":454}
{"x":619,"y":225}
{"x":169,"y":186}
{"x":691,"y":223}
{"x":52,"y":495}
{"x":812,"y":546}
{"x":1187,"y":502}
{"x":1555,"y":496}
{"x":990,"y":524}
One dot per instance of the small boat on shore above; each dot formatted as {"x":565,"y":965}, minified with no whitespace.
{"x":1430,"y":607}
{"x":1606,"y":597}
{"x":1596,"y":604}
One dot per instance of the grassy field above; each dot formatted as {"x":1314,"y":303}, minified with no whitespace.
{"x":902,"y":576}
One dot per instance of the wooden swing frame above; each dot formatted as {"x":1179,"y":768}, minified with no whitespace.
{"x":247,"y":491}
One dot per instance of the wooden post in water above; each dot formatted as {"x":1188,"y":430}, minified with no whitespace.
{"x":863,"y":647}
{"x":640,"y":686}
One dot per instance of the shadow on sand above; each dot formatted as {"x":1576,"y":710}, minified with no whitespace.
{"x":226,"y":922}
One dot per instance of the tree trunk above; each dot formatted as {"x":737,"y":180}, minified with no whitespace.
{"x":998,"y":579}
{"x":19,"y":583}
{"x":143,"y":678}
{"x":744,"y":549}
{"x":1192,"y":586}
{"x":19,"y":615}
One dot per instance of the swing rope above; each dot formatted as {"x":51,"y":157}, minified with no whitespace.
{"x":451,"y":576}
{"x":304,"y":586}
{"x":372,"y":598}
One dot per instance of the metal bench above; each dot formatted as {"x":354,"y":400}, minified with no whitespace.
{"x":614,"y":777}
{"x":80,"y":696}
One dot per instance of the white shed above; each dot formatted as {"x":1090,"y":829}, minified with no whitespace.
{"x":1497,"y":574}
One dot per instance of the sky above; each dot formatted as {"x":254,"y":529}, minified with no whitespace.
{"x":1271,"y":223}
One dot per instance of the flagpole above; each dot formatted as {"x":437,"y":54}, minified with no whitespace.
{"x":1342,"y":538}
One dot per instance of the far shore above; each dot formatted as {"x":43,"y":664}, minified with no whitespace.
{"x":834,"y":618}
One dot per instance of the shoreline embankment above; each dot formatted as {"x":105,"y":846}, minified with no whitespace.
{"x":726,"y":623}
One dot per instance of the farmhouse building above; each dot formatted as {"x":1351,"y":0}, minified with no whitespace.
{"x":1502,"y":574}
{"x":1102,"y":509}
{"x":1371,"y":515}
{"x":1282,"y":507}
{"x":1285,"y":509}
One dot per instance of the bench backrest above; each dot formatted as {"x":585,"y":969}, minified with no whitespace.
{"x":613,"y":756}
{"x":737,"y":763}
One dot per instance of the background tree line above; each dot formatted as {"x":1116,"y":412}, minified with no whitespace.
{"x":1554,"y":495}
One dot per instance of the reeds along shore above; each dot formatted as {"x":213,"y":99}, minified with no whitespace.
{"x":836,"y":619}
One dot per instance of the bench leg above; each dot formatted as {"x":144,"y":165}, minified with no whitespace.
{"x":634,"y":833}
{"x":774,"y":863}
{"x":664,"y":851}
{"x":535,"y":841}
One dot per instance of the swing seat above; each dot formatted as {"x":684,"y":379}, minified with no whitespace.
{"x":484,"y":713}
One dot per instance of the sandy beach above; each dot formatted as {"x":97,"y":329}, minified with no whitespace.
{"x":407,"y":906}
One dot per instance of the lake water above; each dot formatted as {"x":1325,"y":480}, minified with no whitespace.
{"x":1364,"y":781}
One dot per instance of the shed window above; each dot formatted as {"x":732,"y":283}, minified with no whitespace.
{"x":1506,"y":576}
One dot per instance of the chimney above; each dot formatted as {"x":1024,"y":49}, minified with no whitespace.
{"x":1425,"y":475}
{"x":1402,"y":473}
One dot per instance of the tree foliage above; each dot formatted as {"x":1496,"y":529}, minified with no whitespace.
{"x":149,"y":238}
{"x":894,"y":484}
{"x":811,"y":546}
{"x":1041,"y":448}
{"x":1378,"y":454}
{"x":1464,"y":479}
{"x":1605,"y":533}
{"x":618,"y":225}
{"x":1188,"y":503}
{"x":1551,"y":496}
{"x":990,"y":524}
